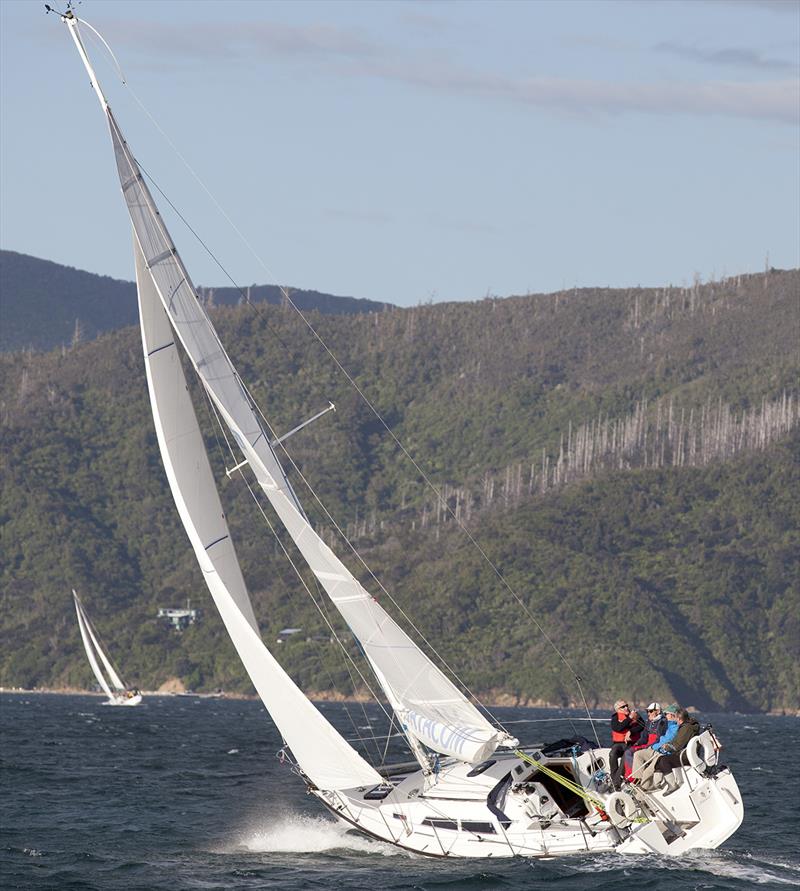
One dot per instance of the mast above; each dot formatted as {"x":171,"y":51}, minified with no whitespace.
{"x":71,"y":21}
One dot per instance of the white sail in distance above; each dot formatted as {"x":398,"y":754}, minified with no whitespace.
{"x":429,"y":705}
{"x":92,"y":648}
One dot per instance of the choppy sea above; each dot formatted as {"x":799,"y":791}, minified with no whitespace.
{"x":187,"y":793}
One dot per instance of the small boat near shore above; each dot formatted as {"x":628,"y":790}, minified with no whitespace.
{"x":107,"y":674}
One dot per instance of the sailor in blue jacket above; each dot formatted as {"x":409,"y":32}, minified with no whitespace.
{"x":643,"y":756}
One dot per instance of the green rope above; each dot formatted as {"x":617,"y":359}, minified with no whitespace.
{"x":576,"y":788}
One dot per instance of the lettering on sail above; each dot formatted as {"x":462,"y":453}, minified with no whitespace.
{"x":449,"y":737}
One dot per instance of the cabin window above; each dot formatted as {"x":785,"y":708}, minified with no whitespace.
{"x":479,"y":768}
{"x":477,"y":826}
{"x":438,"y":823}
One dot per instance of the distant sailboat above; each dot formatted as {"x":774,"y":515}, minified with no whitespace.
{"x":471,"y":791}
{"x":118,"y":692}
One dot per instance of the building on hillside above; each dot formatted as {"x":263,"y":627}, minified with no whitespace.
{"x":180,"y":619}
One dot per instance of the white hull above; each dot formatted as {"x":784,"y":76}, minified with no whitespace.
{"x":494,"y":815}
{"x":124,"y":700}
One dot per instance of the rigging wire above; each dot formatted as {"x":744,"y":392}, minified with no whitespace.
{"x":425,"y":477}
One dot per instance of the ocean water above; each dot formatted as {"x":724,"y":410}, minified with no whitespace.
{"x":187,"y":793}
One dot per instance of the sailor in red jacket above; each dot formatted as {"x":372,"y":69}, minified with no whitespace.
{"x":626,"y":728}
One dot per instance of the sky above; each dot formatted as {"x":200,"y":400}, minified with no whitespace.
{"x":413,"y":151}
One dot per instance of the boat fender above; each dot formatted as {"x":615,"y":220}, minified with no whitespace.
{"x":699,"y":755}
{"x":621,"y":809}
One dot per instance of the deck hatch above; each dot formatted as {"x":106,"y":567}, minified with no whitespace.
{"x":439,"y":823}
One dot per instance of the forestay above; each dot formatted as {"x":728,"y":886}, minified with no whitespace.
{"x":429,"y":704}
{"x":325,"y":757}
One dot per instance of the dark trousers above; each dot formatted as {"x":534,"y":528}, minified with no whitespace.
{"x":616,"y":762}
{"x":668,"y":763}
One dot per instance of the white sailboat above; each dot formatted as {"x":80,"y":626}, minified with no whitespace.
{"x":471,"y":791}
{"x":118,"y":692}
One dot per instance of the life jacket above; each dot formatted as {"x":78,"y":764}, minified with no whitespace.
{"x":619,"y":735}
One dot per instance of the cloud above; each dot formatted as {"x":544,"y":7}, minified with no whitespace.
{"x":778,"y":101}
{"x":351,"y":53}
{"x":242,"y":40}
{"x":774,"y":100}
{"x":739,"y":57}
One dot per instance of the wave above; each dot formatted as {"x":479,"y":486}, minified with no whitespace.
{"x":741,"y":866}
{"x":298,"y":834}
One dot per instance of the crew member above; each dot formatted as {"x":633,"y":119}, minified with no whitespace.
{"x":626,"y":728}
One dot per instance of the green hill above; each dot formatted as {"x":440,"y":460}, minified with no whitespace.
{"x":628,"y":458}
{"x":45,"y":305}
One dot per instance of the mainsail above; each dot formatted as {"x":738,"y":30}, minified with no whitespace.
{"x":431,"y":708}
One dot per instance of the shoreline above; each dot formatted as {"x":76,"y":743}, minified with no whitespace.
{"x":317,"y":696}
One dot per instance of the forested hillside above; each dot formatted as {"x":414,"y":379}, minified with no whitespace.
{"x":45,"y":305}
{"x":628,"y":458}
